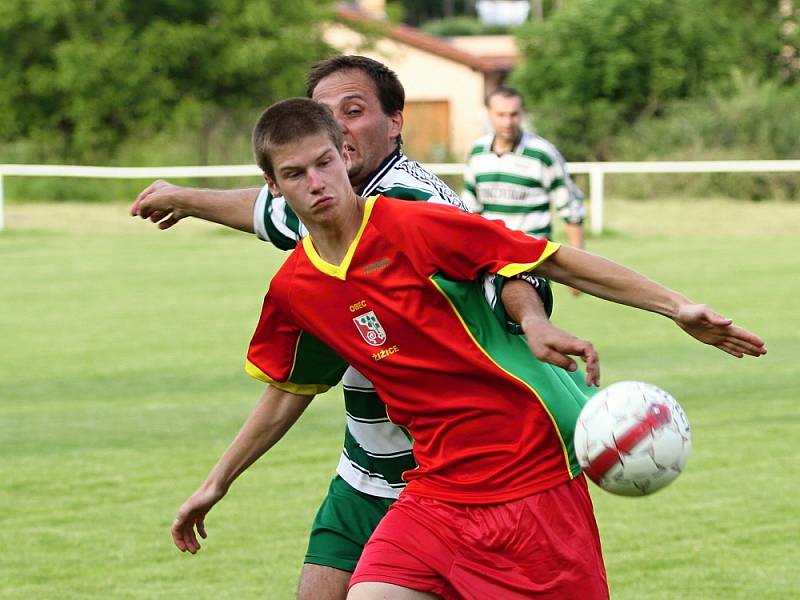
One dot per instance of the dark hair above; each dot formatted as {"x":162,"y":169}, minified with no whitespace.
{"x":288,"y":121}
{"x":506,"y":92}
{"x":390,"y":91}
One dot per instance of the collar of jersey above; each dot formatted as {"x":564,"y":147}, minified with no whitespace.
{"x":339,"y":271}
{"x":378,"y":174}
{"x":516,"y":147}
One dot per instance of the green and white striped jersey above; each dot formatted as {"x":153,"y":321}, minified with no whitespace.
{"x":397,"y":177}
{"x":520,"y":186}
{"x":376,"y":452}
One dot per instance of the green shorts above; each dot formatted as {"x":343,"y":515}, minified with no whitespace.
{"x":343,"y":524}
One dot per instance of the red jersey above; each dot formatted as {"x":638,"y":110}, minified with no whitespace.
{"x":490,"y":423}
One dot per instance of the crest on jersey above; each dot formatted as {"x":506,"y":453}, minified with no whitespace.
{"x":370,"y":328}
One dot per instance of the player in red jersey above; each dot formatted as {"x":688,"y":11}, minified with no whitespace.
{"x":497,"y":507}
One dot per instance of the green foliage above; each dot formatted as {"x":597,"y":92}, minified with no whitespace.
{"x":418,"y":12}
{"x":226,"y":141}
{"x":755,"y":36}
{"x":81,"y":77}
{"x":749,"y":115}
{"x":462,"y":26}
{"x":743,"y":118}
{"x":594,"y":68}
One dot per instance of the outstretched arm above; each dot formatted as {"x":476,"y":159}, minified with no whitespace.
{"x":166,"y":204}
{"x":272,"y":417}
{"x":609,"y":280}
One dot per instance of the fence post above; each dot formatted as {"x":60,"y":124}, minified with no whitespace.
{"x":596,"y":197}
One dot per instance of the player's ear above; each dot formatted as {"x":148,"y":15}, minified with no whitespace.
{"x":347,"y":160}
{"x":396,"y":124}
{"x":273,"y":187}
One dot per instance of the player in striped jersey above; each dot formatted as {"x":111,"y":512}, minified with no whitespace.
{"x":367,"y":101}
{"x":518,"y":177}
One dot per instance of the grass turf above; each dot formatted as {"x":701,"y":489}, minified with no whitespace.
{"x":121,"y":383}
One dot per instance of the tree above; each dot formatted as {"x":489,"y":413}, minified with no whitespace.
{"x":417,"y":12}
{"x":594,"y":68}
{"x":83,"y":75}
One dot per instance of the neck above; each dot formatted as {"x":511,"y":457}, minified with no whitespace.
{"x":501,"y":146}
{"x":360,"y":184}
{"x":332,"y":239}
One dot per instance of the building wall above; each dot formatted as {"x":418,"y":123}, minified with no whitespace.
{"x":486,"y":45}
{"x":427,"y":77}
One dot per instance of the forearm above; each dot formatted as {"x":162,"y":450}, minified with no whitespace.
{"x":269,"y":421}
{"x":522,"y":302}
{"x":547,"y":343}
{"x":575,"y":235}
{"x":233,"y":208}
{"x":606,"y":279}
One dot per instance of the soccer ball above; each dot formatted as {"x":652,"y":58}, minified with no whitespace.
{"x":632,"y":438}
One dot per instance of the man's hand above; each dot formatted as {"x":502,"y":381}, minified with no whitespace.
{"x":702,"y":323}
{"x":160,"y":203}
{"x":193,"y":514}
{"x":550,"y":344}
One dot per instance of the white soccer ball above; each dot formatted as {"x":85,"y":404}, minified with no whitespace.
{"x":632,"y":438}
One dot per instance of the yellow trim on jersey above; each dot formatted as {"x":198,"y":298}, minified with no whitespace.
{"x":509,"y":373}
{"x":301,"y":389}
{"x":516,"y":268}
{"x":339,"y":271}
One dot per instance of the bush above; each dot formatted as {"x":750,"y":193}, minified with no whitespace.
{"x":227,"y":142}
{"x":462,"y":26}
{"x":81,"y":78}
{"x":743,"y":119}
{"x":594,"y":68}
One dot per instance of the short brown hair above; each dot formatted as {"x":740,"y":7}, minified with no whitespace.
{"x":390,"y":91}
{"x":506,"y":92}
{"x":288,"y":121}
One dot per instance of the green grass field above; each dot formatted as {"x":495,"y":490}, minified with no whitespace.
{"x":121,"y":382}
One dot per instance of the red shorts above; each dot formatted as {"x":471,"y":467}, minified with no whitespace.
{"x":542,"y":546}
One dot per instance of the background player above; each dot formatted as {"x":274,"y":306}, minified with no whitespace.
{"x":519,"y":177}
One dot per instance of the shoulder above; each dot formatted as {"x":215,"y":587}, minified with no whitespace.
{"x":482,"y":145}
{"x":409,"y":180}
{"x":401,"y":214}
{"x":411,"y":217}
{"x":537,"y":147}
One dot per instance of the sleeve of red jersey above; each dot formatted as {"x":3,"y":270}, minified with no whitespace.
{"x":461,"y":246}
{"x":285,"y":356}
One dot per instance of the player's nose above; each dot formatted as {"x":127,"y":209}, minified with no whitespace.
{"x":315,"y":182}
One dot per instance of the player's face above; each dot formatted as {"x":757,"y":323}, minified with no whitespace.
{"x":505,"y":117}
{"x":312,"y":175}
{"x":369,"y":134}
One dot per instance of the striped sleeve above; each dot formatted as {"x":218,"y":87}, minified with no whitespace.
{"x":568,"y":204}
{"x":470,"y":196}
{"x":275,"y":222}
{"x":409,"y":180}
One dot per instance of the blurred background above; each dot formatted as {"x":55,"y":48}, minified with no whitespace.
{"x":180,"y":82}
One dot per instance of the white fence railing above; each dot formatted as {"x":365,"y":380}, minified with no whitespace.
{"x":595,"y":170}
